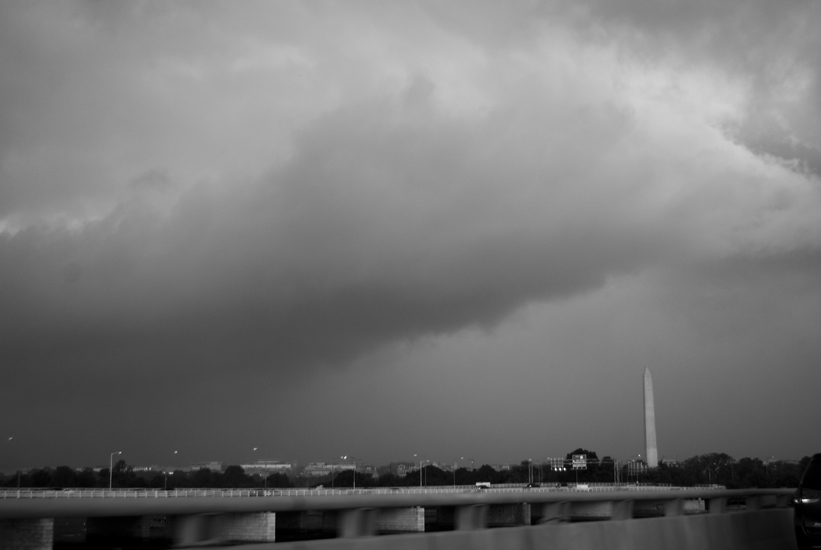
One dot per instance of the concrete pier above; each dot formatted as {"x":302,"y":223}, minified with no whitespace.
{"x":508,"y":515}
{"x":27,"y":534}
{"x":401,"y":520}
{"x":201,"y":529}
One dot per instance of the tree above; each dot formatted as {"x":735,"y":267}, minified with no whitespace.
{"x":86,"y":478}
{"x":40,"y":478}
{"x":234,"y":476}
{"x":487,"y":473}
{"x":279,"y":479}
{"x":465,"y":477}
{"x":391,"y":480}
{"x":710,"y":468}
{"x":346,"y":479}
{"x":606,"y":470}
{"x":203,"y":478}
{"x":102,"y":478}
{"x":123,"y":475}
{"x":64,"y":476}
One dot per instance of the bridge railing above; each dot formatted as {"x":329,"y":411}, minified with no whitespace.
{"x":29,"y":493}
{"x":114,"y":503}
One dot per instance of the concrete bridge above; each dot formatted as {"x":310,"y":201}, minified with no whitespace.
{"x":673,"y":519}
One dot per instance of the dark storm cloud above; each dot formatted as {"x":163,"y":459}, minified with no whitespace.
{"x":387,"y":224}
{"x":211,"y":216}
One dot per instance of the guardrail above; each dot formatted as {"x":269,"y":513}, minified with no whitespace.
{"x":232,"y":493}
{"x":327,"y":500}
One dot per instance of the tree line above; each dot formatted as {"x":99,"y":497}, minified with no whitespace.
{"x":706,"y":469}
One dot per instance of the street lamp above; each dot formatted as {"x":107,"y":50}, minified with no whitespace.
{"x":353,"y":459}
{"x":421,"y":471}
{"x":111,"y":468}
{"x":530,"y":470}
{"x":557,"y":465}
{"x":19,"y":471}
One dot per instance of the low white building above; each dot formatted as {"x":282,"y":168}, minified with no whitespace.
{"x":268,"y":467}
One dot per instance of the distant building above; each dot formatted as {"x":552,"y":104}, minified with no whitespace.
{"x":319,"y":469}
{"x":213,"y":466}
{"x":268,"y":467}
{"x":400,"y":469}
{"x":404,"y":468}
{"x":445,"y":467}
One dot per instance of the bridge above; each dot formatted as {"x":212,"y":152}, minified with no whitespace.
{"x":610,"y":519}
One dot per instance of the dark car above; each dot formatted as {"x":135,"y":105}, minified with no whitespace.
{"x":807,"y":503}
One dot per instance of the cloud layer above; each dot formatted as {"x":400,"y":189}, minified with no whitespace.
{"x":187,"y":190}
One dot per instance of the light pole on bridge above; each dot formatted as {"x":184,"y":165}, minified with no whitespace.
{"x":19,"y":470}
{"x":111,"y":469}
{"x":353,"y":459}
{"x":421,"y":471}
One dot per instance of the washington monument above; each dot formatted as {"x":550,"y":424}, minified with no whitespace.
{"x":650,"y":421}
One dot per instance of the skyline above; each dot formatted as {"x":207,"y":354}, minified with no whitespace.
{"x":258,"y":466}
{"x":379,"y":229}
{"x":647,"y":457}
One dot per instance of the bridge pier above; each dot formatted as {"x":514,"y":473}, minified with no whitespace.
{"x":550,"y":512}
{"x":508,"y":515}
{"x":27,"y":534}
{"x":582,"y":511}
{"x":131,"y":527}
{"x":471,"y":517}
{"x":401,"y":520}
{"x":197,"y":529}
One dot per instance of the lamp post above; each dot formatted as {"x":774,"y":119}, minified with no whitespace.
{"x":557,"y":465}
{"x":19,"y":471}
{"x":111,"y":469}
{"x":421,"y":472}
{"x":165,"y":481}
{"x":166,"y":474}
{"x":353,"y":459}
{"x":530,"y":471}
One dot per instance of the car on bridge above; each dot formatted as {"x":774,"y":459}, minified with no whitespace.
{"x":807,"y":504}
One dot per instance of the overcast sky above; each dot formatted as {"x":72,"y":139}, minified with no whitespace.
{"x":382,"y":229}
